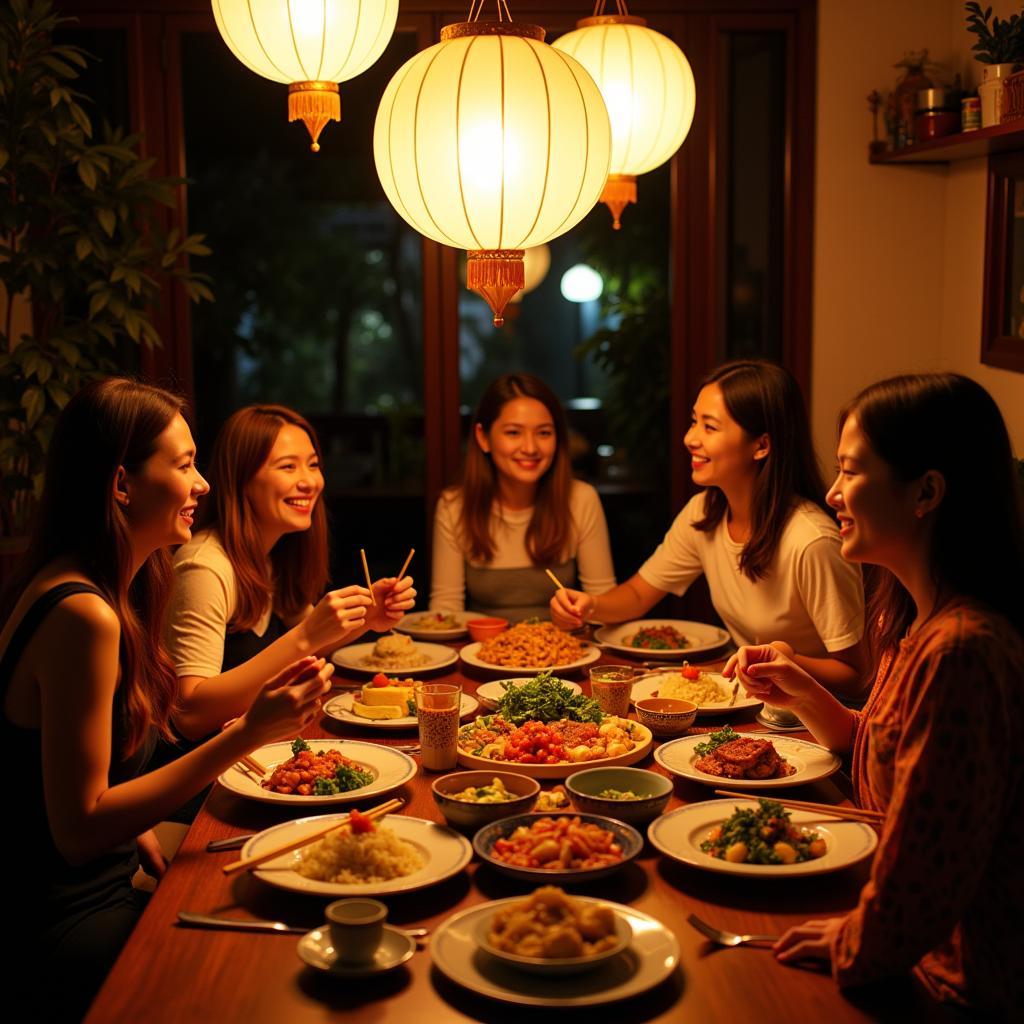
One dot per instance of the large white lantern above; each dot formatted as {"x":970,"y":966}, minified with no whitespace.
{"x":311,"y":45}
{"x":493,"y":142}
{"x":648,"y":87}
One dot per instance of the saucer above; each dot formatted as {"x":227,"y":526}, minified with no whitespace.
{"x":769,"y":724}
{"x":395,"y":948}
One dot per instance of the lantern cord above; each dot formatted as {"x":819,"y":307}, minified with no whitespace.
{"x":504,"y":14}
{"x":620,"y":7}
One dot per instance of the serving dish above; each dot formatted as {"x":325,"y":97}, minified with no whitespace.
{"x":702,"y":638}
{"x":648,"y":685}
{"x":469,"y":655}
{"x":350,"y":658}
{"x":340,"y":709}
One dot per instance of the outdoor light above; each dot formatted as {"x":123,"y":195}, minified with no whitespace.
{"x":493,"y":142}
{"x":648,"y":87}
{"x":311,"y":45}
{"x":581,"y":284}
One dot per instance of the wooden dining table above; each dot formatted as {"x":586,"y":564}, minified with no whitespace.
{"x":170,"y":973}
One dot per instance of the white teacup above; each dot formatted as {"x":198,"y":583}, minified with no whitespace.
{"x":779,"y":716}
{"x":357,"y":928}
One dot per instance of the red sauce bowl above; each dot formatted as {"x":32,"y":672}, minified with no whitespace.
{"x":486,"y":629}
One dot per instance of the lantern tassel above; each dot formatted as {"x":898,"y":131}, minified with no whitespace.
{"x":496,"y":274}
{"x":314,"y":103}
{"x":619,"y":191}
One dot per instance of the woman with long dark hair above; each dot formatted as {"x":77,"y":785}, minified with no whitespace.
{"x":927,"y":492}
{"x":518,"y":510}
{"x":758,"y":531}
{"x":249,"y":587}
{"x":87,"y":686}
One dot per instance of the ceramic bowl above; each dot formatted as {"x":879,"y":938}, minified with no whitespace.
{"x":468,"y":817}
{"x":486,"y":629}
{"x":584,"y":789}
{"x":666,"y":716}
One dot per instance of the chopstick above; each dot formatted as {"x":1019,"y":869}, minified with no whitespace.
{"x":252,"y":764}
{"x":366,"y":572}
{"x":388,"y":807}
{"x":842,"y":813}
{"x":554,"y":579}
{"x":401,"y":572}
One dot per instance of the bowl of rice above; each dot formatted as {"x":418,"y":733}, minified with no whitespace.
{"x":344,"y":857}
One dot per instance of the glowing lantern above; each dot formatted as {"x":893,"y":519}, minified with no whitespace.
{"x":311,"y":45}
{"x":648,"y":87}
{"x":493,"y":142}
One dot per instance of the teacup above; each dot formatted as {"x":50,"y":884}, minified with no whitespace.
{"x":357,"y":928}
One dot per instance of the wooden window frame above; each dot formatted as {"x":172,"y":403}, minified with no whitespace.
{"x":998,"y":348}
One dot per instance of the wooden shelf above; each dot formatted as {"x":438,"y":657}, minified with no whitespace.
{"x":1000,"y":138}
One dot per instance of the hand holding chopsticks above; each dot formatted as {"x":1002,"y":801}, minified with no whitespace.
{"x":861,"y":814}
{"x":376,"y":813}
{"x":392,"y":598}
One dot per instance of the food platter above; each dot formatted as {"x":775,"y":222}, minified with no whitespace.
{"x":390,"y":767}
{"x":563,"y":769}
{"x":811,"y":761}
{"x":651,"y":957}
{"x":340,"y":709}
{"x":702,"y":637}
{"x":647,"y":686}
{"x":469,"y":655}
{"x":413,"y":625}
{"x":350,"y":659}
{"x":490,"y":693}
{"x":444,"y":851}
{"x":678,"y":835}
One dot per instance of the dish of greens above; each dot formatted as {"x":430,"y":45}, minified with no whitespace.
{"x":546,"y":699}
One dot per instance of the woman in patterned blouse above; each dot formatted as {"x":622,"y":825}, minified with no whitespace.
{"x":926,"y":491}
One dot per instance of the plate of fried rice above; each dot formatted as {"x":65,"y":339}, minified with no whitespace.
{"x":400,"y":854}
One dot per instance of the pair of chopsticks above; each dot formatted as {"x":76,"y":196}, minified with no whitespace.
{"x":388,"y":807}
{"x":554,"y":579}
{"x":876,"y":818}
{"x":253,"y":765}
{"x":366,"y":571}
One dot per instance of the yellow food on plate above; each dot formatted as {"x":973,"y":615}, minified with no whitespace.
{"x":378,"y":711}
{"x":551,"y":924}
{"x":347,"y":857}
{"x":702,"y":690}
{"x":400,"y":695}
{"x":532,"y":645}
{"x":395,"y":651}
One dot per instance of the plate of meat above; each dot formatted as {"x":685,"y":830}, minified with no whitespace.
{"x":745,"y":760}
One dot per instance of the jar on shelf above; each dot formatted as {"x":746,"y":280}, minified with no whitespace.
{"x":935,"y":115}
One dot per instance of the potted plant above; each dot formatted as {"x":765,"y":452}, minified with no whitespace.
{"x":82,"y":248}
{"x":1000,"y":49}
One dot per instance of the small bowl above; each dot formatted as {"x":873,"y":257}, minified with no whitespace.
{"x":654,"y":791}
{"x":553,"y":965}
{"x":666,"y":716}
{"x":486,"y":629}
{"x":780,"y":716}
{"x":468,"y":817}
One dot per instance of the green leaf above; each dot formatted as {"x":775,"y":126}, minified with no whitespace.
{"x":60,"y":394}
{"x":107,"y":219}
{"x":44,"y":370}
{"x":83,"y":247}
{"x":98,"y":303}
{"x":33,"y":401}
{"x":87,"y":173}
{"x":69,"y":351}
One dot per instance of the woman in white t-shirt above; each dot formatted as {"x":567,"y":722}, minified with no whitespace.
{"x":518,"y":511}
{"x":758,"y":531}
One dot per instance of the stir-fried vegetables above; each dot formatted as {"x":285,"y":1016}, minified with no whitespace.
{"x":546,"y":699}
{"x":762,"y":836}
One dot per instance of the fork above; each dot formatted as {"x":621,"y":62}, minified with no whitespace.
{"x":724,"y":938}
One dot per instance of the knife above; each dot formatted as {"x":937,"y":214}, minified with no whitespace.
{"x":237,"y":924}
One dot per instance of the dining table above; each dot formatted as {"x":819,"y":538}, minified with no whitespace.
{"x":171,"y":973}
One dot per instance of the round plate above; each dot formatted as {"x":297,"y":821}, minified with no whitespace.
{"x":490,"y":693}
{"x":445,"y":853}
{"x":351,"y":659}
{"x":396,"y":947}
{"x":627,"y":837}
{"x":391,"y":769}
{"x":563,"y":769}
{"x":774,"y":727}
{"x":678,"y":835}
{"x":411,"y":625}
{"x":810,"y":760}
{"x":340,"y":709}
{"x":702,"y":638}
{"x":650,"y":958}
{"x":469,"y":656}
{"x":646,"y":686}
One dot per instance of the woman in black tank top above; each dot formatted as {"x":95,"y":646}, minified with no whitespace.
{"x":86,"y":686}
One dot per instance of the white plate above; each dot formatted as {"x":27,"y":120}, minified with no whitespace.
{"x":651,"y":957}
{"x":350,"y":658}
{"x":445,"y":853}
{"x":490,"y":693}
{"x":646,"y":685}
{"x":410,"y":625}
{"x":340,"y":709}
{"x":678,"y":835}
{"x":391,"y":767}
{"x":701,"y":636}
{"x":469,"y":656}
{"x":396,"y":947}
{"x":810,"y":760}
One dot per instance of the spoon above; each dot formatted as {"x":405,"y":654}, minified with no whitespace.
{"x":724,"y":938}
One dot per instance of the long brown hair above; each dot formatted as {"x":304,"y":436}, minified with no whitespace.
{"x":298,"y":560}
{"x":547,"y":536}
{"x":763,"y":398}
{"x":106,"y":425}
{"x":948,"y":423}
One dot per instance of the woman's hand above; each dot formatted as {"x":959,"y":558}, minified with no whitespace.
{"x":812,"y":940}
{"x":767,"y":674}
{"x":288,"y":703}
{"x":394,"y":598}
{"x":570,"y":608}
{"x":337,"y":615}
{"x":151,"y":855}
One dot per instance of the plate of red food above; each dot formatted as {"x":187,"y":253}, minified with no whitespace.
{"x":673,"y":639}
{"x":314,"y":772}
{"x":746,"y":760}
